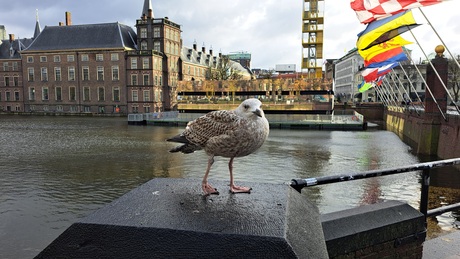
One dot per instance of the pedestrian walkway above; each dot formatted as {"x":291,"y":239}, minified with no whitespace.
{"x":443,"y":247}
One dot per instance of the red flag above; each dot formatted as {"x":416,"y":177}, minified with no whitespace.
{"x":371,"y":10}
{"x":384,"y":56}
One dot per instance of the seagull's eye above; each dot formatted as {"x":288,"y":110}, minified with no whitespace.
{"x":246,"y":106}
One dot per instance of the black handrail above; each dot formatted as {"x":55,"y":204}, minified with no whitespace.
{"x":299,"y":184}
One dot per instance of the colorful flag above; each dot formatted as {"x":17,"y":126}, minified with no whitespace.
{"x":370,"y":54}
{"x":370,"y":10}
{"x":382,"y":30}
{"x":364,"y":86}
{"x":401,"y":56}
{"x":372,"y":74}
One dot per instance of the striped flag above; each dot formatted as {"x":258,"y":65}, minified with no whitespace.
{"x":371,"y":10}
{"x":382,"y":30}
{"x":383,"y":50}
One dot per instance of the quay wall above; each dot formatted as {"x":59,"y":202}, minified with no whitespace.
{"x":426,"y":134}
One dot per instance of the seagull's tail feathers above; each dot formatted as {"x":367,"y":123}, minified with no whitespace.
{"x":186,"y":148}
{"x":179,"y":139}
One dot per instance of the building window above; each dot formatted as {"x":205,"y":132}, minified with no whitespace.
{"x":45,"y":96}
{"x":43,"y":59}
{"x":143,"y":32}
{"x":99,"y":57}
{"x":146,"y":95}
{"x":7,"y":81}
{"x":72,"y":93}
{"x":115,"y":73}
{"x":85,"y":74}
{"x":15,"y":66}
{"x":86,"y":94}
{"x":16,"y":81}
{"x":156,"y":32}
{"x":31,"y":94}
{"x":58,"y":93}
{"x":5,"y":66}
{"x":134,"y":79}
{"x":156,"y":46}
{"x":71,"y":73}
{"x":101,"y":93}
{"x":57,"y":58}
{"x":143,"y":45}
{"x":7,"y":96}
{"x":16,"y":95}
{"x":116,"y":94}
{"x":145,"y":63}
{"x":70,"y":58}
{"x":114,"y":56}
{"x":100,"y":73}
{"x":44,"y":74}
{"x":133,"y":63}
{"x":84,"y":57}
{"x":146,"y":79}
{"x":57,"y":73}
{"x":135,"y":96}
{"x":30,"y":59}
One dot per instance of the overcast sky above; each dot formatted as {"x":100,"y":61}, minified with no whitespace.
{"x":270,"y":30}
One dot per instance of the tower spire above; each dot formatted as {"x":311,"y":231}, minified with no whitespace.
{"x":37,"y":26}
{"x":147,"y":7}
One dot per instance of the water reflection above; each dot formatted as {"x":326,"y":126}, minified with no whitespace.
{"x":55,"y":170}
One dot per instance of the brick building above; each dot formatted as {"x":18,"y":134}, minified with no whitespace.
{"x":103,"y":68}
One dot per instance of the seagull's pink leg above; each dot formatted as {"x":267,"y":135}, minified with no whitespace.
{"x":207,"y":188}
{"x":234,"y":188}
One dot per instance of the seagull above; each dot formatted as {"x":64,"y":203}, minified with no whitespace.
{"x":225,"y":133}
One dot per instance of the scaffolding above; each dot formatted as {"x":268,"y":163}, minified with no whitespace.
{"x":312,"y":38}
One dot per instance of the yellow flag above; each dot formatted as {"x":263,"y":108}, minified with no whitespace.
{"x":380,"y":48}
{"x":382,"y":30}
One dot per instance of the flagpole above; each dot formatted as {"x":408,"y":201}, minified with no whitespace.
{"x":412,"y":84}
{"x":456,"y":61}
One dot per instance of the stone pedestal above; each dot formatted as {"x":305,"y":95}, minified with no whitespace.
{"x":170,"y":218}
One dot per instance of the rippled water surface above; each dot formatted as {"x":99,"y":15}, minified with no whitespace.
{"x":55,"y":170}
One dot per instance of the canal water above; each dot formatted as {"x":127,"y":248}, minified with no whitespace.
{"x":56,"y":170}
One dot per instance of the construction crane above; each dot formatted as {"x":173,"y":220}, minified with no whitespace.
{"x":312,"y":38}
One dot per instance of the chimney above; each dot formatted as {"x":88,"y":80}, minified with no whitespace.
{"x":11,"y":38}
{"x":61,"y":24}
{"x":210,"y":51}
{"x":150,"y":13}
{"x":194,"y":45}
{"x":68,"y":18}
{"x":203,"y":49}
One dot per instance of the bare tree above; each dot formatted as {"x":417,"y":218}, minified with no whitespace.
{"x":223,"y":71}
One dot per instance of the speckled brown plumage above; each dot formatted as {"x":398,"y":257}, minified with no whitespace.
{"x":231,"y":134}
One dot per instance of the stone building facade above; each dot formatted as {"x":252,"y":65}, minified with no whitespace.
{"x":106,"y":68}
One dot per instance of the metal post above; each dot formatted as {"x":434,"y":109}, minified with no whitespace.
{"x":424,"y":191}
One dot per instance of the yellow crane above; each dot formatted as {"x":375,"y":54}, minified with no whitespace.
{"x":312,"y":38}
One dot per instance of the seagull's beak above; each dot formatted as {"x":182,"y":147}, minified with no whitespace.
{"x":258,"y":112}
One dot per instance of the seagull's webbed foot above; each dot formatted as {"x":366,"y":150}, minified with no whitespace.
{"x":239,"y":189}
{"x":208,"y":189}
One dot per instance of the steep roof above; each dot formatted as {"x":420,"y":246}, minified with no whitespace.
{"x":147,"y":6}
{"x":86,"y":36}
{"x":17,"y":45}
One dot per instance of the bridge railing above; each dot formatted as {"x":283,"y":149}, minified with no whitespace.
{"x":299,"y":184}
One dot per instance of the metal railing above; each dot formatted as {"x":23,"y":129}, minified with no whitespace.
{"x":299,"y":184}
